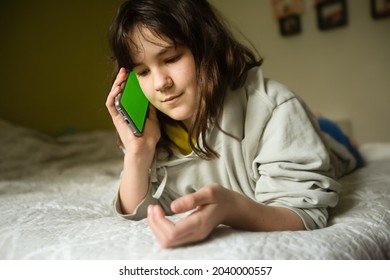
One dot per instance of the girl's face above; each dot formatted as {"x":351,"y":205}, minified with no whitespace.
{"x":166,"y":74}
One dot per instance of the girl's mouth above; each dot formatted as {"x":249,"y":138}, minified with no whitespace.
{"x":172,"y":98}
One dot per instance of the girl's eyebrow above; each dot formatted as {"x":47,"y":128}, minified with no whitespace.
{"x":164,"y":50}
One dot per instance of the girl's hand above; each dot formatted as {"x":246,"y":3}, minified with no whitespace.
{"x":215,"y":205}
{"x":211,"y":204}
{"x":129,"y":141}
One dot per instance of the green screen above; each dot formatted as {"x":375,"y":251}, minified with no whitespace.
{"x":134,"y":101}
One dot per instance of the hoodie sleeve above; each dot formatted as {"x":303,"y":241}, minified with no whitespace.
{"x":140,"y":212}
{"x":294,"y":165}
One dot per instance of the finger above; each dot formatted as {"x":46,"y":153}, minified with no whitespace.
{"x":110,"y":102}
{"x":191,"y":201}
{"x":166,"y":231}
{"x":120,"y":78}
{"x":152,"y":115}
{"x":189,"y":224}
{"x":160,"y":226}
{"x":115,"y":90}
{"x":191,"y":229}
{"x":117,"y":84}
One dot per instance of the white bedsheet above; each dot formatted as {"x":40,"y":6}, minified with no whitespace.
{"x":56,"y":195}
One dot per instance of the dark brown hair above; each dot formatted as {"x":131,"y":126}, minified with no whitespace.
{"x":221,"y":61}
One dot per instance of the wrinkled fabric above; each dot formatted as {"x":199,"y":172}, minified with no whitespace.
{"x":55,"y":203}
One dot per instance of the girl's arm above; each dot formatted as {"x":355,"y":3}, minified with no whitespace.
{"x":134,"y":183}
{"x":254,"y":216}
{"x":139,"y":151}
{"x":214,"y":205}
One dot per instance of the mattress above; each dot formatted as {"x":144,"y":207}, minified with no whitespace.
{"x":56,"y":204}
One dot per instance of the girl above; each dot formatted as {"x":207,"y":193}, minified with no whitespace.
{"x":221,"y":142}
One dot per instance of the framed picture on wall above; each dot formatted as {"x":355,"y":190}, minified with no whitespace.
{"x":285,"y":8}
{"x":380,"y":8}
{"x":290,"y":25}
{"x":331,"y":14}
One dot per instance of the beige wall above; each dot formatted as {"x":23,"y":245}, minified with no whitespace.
{"x":55,"y":72}
{"x":343,"y":73}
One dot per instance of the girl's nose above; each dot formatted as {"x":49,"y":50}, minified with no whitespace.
{"x":162,"y":81}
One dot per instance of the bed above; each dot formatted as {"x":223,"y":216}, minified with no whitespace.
{"x":56,"y":196}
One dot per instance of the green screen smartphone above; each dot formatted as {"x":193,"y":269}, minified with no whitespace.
{"x":133,"y":105}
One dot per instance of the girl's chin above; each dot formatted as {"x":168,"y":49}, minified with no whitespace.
{"x":179,"y":116}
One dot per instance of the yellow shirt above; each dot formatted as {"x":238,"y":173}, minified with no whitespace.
{"x":179,"y":137}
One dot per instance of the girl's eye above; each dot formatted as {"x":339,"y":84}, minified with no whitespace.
{"x":142,"y":73}
{"x":173,"y":59}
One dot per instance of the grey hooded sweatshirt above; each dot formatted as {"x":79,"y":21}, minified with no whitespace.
{"x":278,"y":156}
